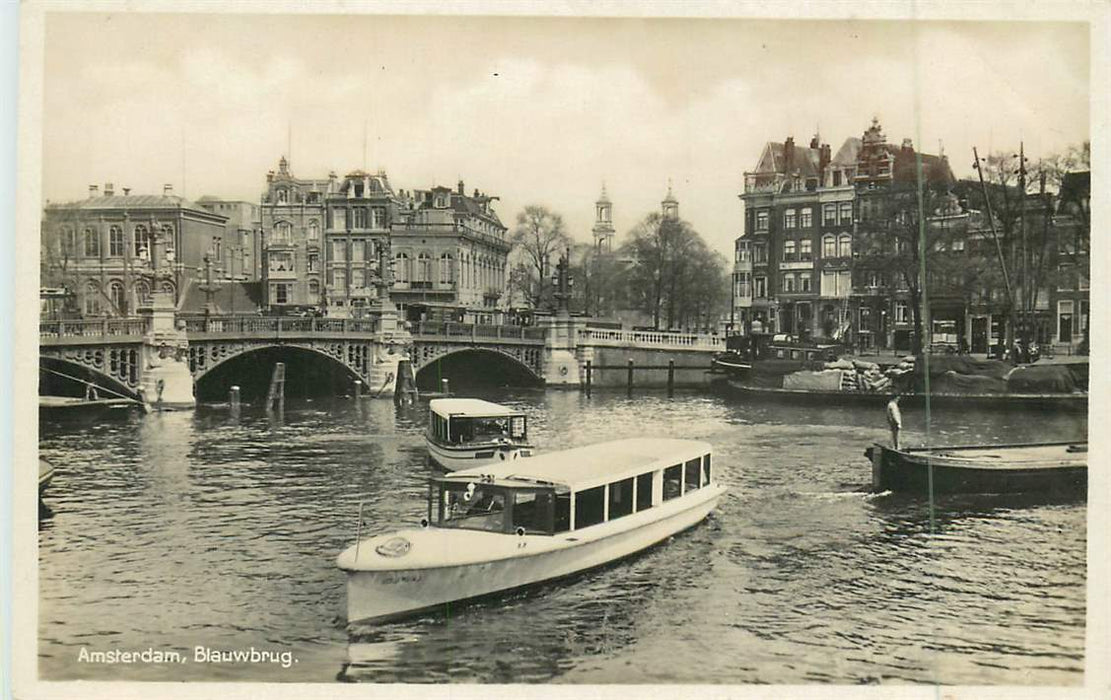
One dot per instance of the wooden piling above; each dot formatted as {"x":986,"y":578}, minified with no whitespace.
{"x":358,"y":389}
{"x":233,"y":397}
{"x":589,"y":370}
{"x":277,"y":388}
{"x":670,"y":378}
{"x":445,"y":387}
{"x":405,"y":390}
{"x":630,"y":378}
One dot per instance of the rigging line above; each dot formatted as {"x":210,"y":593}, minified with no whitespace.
{"x":86,"y":382}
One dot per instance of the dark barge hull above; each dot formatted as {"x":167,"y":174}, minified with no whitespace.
{"x":1044,"y":402}
{"x":1041,"y":468}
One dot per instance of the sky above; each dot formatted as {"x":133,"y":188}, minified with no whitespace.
{"x":535,"y":110}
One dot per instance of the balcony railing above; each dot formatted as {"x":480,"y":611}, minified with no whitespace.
{"x":85,"y":328}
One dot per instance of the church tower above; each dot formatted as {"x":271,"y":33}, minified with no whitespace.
{"x":603,"y":224}
{"x":670,"y":205}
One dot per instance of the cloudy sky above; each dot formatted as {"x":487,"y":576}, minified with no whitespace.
{"x":535,"y":110}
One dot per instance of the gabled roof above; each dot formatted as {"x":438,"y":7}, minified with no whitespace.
{"x":804,"y":160}
{"x":136,"y":201}
{"x":846,"y":155}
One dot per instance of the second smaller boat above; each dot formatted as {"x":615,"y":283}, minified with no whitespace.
{"x":465,"y":433}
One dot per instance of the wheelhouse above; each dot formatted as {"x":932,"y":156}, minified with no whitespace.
{"x":464,"y":421}
{"x":534,"y":499}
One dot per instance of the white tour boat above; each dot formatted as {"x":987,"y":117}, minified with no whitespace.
{"x":464,"y":433}
{"x":507,"y":525}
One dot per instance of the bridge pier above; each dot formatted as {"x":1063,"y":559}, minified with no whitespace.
{"x":166,"y":382}
{"x":561,"y":365}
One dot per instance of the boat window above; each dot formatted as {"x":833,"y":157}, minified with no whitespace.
{"x":706,"y":468}
{"x":673,"y":482}
{"x":644,"y":491}
{"x":621,"y":498}
{"x":561,"y":520}
{"x":532,"y":510}
{"x":479,"y":429}
{"x":692,"y":472}
{"x":472,"y":506}
{"x":517,"y":427}
{"x":589,"y":507}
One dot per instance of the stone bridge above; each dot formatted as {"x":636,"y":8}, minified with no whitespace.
{"x":160,"y":357}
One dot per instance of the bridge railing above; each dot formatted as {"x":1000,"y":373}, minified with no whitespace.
{"x":651,"y":339}
{"x":278,"y":324}
{"x":83,"y":328}
{"x":476,"y":331}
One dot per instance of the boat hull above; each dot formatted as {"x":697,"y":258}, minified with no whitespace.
{"x":380,"y":595}
{"x":910,"y":471}
{"x":1043,"y":402}
{"x":46,"y":474}
{"x":455,"y":458}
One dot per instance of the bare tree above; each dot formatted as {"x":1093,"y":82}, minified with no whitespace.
{"x":541,"y":238}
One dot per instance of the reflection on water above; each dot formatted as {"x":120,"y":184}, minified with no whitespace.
{"x":216,"y":529}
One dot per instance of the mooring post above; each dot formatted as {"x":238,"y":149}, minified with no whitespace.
{"x":405,"y":390}
{"x":445,"y":386}
{"x":630,"y":378}
{"x":277,"y":387}
{"x":358,"y":388}
{"x":589,"y":369}
{"x":670,"y":378}
{"x":233,"y":398}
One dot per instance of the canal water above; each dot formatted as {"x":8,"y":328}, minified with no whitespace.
{"x":209,"y":529}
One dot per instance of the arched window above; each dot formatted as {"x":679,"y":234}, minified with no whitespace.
{"x":283,"y":196}
{"x":92,"y":299}
{"x":447,"y":268}
{"x":168,"y":288}
{"x":168,"y":240}
{"x":117,"y":296}
{"x":314,"y":230}
{"x":829,"y":246}
{"x":845,"y":246}
{"x":115,"y":242}
{"x":69,"y":242}
{"x":142,"y":292}
{"x":424,"y":267}
{"x":92,"y":243}
{"x":283,"y":232}
{"x":142,"y":242}
{"x":401,"y":268}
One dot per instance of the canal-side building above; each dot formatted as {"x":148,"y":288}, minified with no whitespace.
{"x":238,"y":253}
{"x":1069,"y":295}
{"x":450,"y":254}
{"x":110,"y":251}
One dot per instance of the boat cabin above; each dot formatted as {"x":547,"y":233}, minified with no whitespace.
{"x":782,"y":346}
{"x":464,"y":421}
{"x":570,"y":490}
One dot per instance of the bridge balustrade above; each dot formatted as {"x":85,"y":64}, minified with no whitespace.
{"x":650,"y":339}
{"x":279,"y":324}
{"x":476,"y":331}
{"x":85,"y":328}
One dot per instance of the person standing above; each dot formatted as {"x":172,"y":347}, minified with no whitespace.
{"x":894,"y":420}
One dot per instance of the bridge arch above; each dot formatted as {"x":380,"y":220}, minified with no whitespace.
{"x":69,"y":376}
{"x":310,"y":368}
{"x":471,"y":366}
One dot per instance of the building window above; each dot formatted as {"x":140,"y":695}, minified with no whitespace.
{"x":168,"y":288}
{"x":447,"y":269}
{"x":142,"y":242}
{"x":760,"y":287}
{"x":829,"y":215}
{"x":1064,"y":321}
{"x":829,"y":246}
{"x":901,"y":312}
{"x":358,"y":278}
{"x":92,"y":299}
{"x":807,"y":217}
{"x":401,"y":268}
{"x":314,"y":230}
{"x":339,"y":278}
{"x":358,"y":218}
{"x":115,"y":242}
{"x":788,"y":250}
{"x":836,"y":178}
{"x":142,"y":292}
{"x":790,"y":219}
{"x":760,"y":253}
{"x":116,"y":295}
{"x":281,"y":294}
{"x":804,"y":282}
{"x":358,"y":251}
{"x":743,"y":285}
{"x":280,"y":261}
{"x":845,"y":246}
{"x":378,"y":217}
{"x":762,"y":220}
{"x":313,"y":262}
{"x":788,"y":282}
{"x":743,"y":252}
{"x":424,"y":268}
{"x":804,"y":249}
{"x":283,"y":233}
{"x":846,"y":213}
{"x":92,"y":243}
{"x":337,"y":250}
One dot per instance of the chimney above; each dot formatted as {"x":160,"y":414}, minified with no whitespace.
{"x":814,"y":142}
{"x":788,"y":153}
{"x":908,"y":145}
{"x":108,"y":189}
{"x":126,"y":191}
{"x":461,"y":188}
{"x":167,"y":190}
{"x":824,"y":157}
{"x":93,"y":190}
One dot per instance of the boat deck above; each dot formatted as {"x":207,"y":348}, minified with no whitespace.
{"x":1006,"y":457}
{"x":78,"y":402}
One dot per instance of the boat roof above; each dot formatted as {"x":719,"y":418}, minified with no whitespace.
{"x":470,"y":407}
{"x":583,"y":467}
